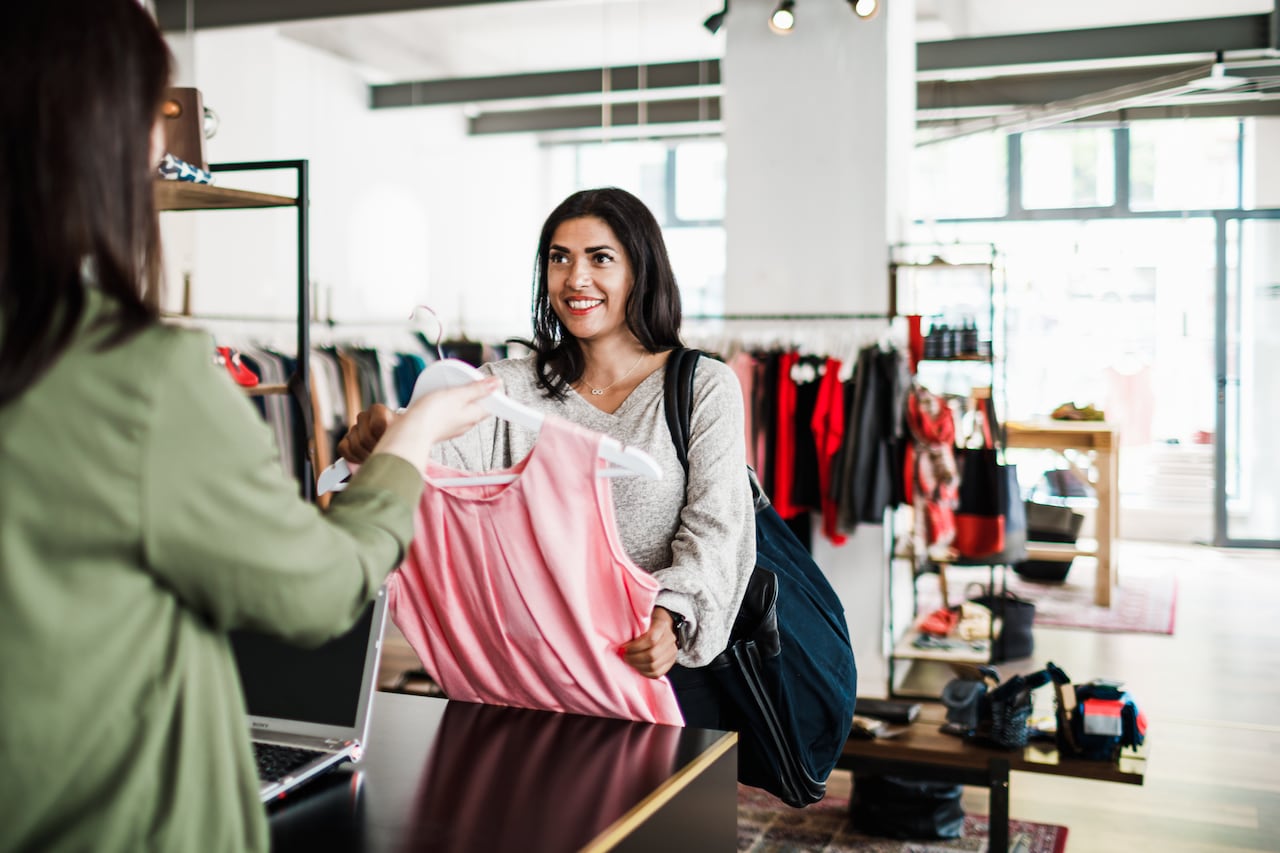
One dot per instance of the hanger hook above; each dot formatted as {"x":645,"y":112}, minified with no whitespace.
{"x":413,"y":315}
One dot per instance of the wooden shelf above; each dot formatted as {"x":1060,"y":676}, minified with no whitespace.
{"x":266,"y":390}
{"x":184,"y":195}
{"x":980,"y":359}
{"x":968,"y":654}
{"x":1061,"y":550}
{"x":1102,"y":440}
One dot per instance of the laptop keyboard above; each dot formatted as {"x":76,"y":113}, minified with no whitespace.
{"x":275,"y":761}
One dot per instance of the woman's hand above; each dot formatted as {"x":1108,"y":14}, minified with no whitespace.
{"x":438,"y":416}
{"x":653,"y":653}
{"x":363,"y":436}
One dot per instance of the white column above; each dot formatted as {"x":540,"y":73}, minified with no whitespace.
{"x":818,"y":126}
{"x":818,"y":129}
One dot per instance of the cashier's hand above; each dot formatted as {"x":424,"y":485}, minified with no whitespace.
{"x":654,"y":652}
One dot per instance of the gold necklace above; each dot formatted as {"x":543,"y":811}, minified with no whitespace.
{"x":599,"y":392}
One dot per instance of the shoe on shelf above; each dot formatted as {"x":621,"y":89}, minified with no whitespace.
{"x":1072,"y":412}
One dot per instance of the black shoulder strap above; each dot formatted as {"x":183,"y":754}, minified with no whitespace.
{"x":678,"y":398}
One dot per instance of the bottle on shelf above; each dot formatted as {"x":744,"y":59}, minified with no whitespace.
{"x":969,"y":337}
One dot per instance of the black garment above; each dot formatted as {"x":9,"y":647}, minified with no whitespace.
{"x":469,"y":351}
{"x":766,"y":394}
{"x":869,"y":479}
{"x":369,"y":376}
{"x":806,"y":490}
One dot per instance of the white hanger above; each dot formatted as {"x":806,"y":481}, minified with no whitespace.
{"x":452,"y":372}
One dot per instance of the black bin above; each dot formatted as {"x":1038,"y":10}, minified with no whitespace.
{"x":1049,"y":523}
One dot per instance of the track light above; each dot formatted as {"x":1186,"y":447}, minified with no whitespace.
{"x":716,"y":21}
{"x":865,"y":8}
{"x":783,"y":19}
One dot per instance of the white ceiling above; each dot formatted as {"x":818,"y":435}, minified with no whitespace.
{"x":507,"y":38}
{"x":542,"y":35}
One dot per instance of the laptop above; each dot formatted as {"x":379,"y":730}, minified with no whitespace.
{"x":309,"y":708}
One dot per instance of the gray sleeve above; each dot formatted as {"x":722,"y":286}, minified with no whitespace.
{"x":714,"y":548}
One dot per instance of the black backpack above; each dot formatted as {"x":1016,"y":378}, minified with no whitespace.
{"x":787,"y":679}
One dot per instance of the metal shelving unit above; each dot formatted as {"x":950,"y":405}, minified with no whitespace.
{"x":185,"y":196}
{"x":932,"y":280}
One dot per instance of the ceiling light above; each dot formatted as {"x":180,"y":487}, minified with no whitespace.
{"x":783,"y":19}
{"x":716,"y":21}
{"x":1217,"y":79}
{"x":865,"y":8}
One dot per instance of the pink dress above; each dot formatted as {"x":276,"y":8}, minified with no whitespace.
{"x":521,"y":594}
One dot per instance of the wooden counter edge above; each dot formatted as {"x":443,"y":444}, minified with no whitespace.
{"x":613,"y":834}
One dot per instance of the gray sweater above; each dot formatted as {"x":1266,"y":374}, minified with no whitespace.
{"x":698,"y":542}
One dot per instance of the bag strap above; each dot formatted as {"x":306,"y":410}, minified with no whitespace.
{"x":678,"y":401}
{"x":678,"y":398}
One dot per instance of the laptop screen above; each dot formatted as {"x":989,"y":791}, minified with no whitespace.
{"x":320,"y":685}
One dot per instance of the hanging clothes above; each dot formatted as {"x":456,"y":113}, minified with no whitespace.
{"x":869,"y":478}
{"x":806,"y":488}
{"x":743,"y":366}
{"x":521,"y":594}
{"x":765,"y":405}
{"x":783,"y":455}
{"x":828,"y":434}
{"x":932,"y":481}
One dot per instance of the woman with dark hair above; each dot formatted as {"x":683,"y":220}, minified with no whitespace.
{"x":606,"y":314}
{"x":143,"y":511}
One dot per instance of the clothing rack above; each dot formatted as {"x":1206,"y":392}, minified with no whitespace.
{"x":262,"y":318}
{"x":793,"y":317}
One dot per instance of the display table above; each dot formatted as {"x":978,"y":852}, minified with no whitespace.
{"x":1102,"y":441}
{"x":924,"y":752}
{"x":445,"y":776}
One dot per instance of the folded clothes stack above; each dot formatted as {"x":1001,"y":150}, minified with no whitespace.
{"x":175,"y":169}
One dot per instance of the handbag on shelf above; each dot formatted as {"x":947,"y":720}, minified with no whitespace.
{"x":991,"y":519}
{"x":1013,"y":639}
{"x":982,"y":708}
{"x":1097,"y":719}
{"x":787,"y":679}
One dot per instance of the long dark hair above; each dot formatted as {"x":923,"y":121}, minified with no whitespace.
{"x":653,"y":306}
{"x":83,"y":85}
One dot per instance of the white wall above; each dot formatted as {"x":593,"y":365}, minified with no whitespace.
{"x":808,"y":186}
{"x":405,"y":208}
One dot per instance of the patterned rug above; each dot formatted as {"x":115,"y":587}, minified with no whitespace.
{"x":1144,"y":601}
{"x":767,"y":825}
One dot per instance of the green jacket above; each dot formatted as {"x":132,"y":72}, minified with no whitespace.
{"x":143,"y":515}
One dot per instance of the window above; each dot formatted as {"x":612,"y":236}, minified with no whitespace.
{"x":1068,"y":167}
{"x":638,"y":167}
{"x":699,"y":181}
{"x":1184,"y":164}
{"x":963,"y":177}
{"x":682,"y":182}
{"x":1113,"y":312}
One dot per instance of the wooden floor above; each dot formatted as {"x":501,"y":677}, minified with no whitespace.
{"x":1211,"y":693}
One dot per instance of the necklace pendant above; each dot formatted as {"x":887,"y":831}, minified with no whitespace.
{"x":597,"y":392}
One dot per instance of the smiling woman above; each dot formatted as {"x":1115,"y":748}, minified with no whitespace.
{"x":606,"y":312}
{"x":606,"y":294}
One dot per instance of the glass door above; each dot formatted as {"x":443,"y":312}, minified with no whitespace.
{"x":1247,"y":439}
